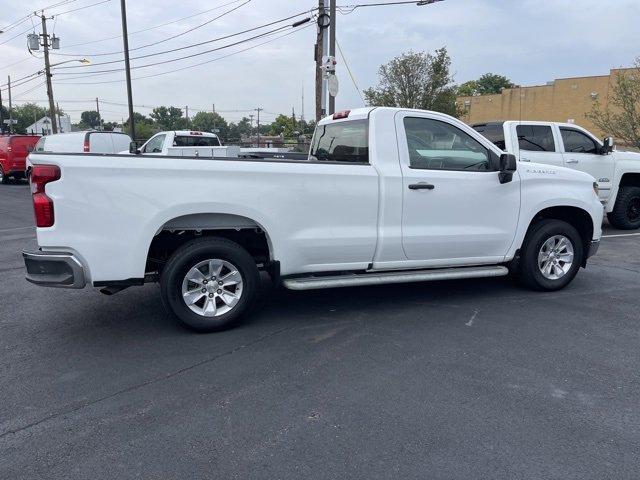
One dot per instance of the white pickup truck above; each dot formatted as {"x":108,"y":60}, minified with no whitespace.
{"x":185,"y":143}
{"x":386,"y":195}
{"x":571,"y":146}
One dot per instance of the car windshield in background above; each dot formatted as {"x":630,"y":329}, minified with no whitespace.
{"x":194,"y":141}
{"x":493,"y":132}
{"x":341,"y":142}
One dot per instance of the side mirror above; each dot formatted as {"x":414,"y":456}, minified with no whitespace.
{"x":508,"y":165}
{"x":30,"y":148}
{"x":607,"y":145}
{"x":133,"y":148}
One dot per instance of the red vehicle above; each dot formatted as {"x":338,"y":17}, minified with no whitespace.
{"x":13,"y":155}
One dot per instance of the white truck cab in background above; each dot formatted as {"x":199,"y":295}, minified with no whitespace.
{"x":571,"y":146}
{"x":186,"y":143}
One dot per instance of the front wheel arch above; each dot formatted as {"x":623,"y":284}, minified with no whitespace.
{"x":577,"y":217}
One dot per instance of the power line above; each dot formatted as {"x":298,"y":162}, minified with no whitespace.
{"x":143,"y":30}
{"x":165,"y":39}
{"x":163,"y":62}
{"x":80,"y":8}
{"x":21,"y":20}
{"x":167,"y":72}
{"x":353,"y":80}
{"x":16,"y":36}
{"x":192,"y":45}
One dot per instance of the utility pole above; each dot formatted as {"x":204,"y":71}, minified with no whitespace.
{"x":47,"y":71}
{"x":213,"y":110}
{"x":259,"y":110}
{"x":99,"y":117}
{"x":320,"y":51}
{"x":10,"y":106}
{"x":186,"y":114}
{"x":332,"y":48}
{"x":58,"y":116}
{"x":127,"y":66}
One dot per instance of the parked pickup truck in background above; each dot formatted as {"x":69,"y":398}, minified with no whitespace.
{"x":571,"y":146}
{"x":187,"y":143}
{"x":386,"y":195}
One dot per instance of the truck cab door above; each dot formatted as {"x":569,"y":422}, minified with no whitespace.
{"x":455,"y":210}
{"x":538,"y":144}
{"x":582,"y":152}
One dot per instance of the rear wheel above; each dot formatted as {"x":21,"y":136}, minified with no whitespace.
{"x":626,"y":211}
{"x":550,"y":256}
{"x":3,"y":178}
{"x":209,"y":283}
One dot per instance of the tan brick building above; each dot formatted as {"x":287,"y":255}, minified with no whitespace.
{"x":562,"y":100}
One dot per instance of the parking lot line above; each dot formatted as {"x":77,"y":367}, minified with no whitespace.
{"x":621,"y":235}
{"x":15,"y":229}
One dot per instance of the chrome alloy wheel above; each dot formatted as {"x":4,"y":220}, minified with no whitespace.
{"x":212,"y":287}
{"x":555,"y":257}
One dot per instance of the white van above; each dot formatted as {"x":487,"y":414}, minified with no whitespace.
{"x":84,"y":142}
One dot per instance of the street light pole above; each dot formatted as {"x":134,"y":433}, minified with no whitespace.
{"x":10,"y":106}
{"x":47,"y":72}
{"x":127,"y":66}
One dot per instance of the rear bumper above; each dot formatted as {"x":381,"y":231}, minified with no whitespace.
{"x":51,"y":269}
{"x":593,"y":248}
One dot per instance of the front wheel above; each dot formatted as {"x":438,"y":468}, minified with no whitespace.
{"x":550,"y":256}
{"x":626,"y":211}
{"x":209,"y":283}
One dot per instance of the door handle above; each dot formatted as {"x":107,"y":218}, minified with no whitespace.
{"x":572,"y":160}
{"x":522,"y":159}
{"x":421,"y":186}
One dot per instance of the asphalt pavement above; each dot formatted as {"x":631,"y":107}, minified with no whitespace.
{"x":465,"y":380}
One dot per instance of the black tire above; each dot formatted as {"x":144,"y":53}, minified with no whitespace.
{"x":189,"y":255}
{"x":4,"y":179}
{"x":626,"y":211}
{"x":529,"y":273}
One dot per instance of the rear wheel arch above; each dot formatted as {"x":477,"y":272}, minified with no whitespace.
{"x":176,"y":232}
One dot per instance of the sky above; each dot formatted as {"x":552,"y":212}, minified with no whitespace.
{"x":529,"y":41}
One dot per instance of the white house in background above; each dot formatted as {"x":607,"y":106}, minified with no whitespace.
{"x":43,"y":126}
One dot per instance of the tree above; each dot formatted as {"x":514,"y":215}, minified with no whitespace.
{"x":416,"y":80}
{"x":168,"y":118}
{"x":26,"y":115}
{"x":208,"y":121}
{"x":487,"y":84}
{"x":240,"y":129}
{"x":283,"y":124}
{"x":90,"y":119}
{"x":145,"y":127}
{"x":621,"y":116}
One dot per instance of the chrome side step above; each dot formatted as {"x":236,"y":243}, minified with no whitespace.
{"x":379,"y":278}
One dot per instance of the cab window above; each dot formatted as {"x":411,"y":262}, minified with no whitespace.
{"x":436,"y":145}
{"x":536,"y":138}
{"x":341,"y":142}
{"x":577,"y":142}
{"x":155,"y":144}
{"x":193,"y":141}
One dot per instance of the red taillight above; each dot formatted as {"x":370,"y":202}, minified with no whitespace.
{"x":43,"y":205}
{"x":341,"y":115}
{"x":86,"y":147}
